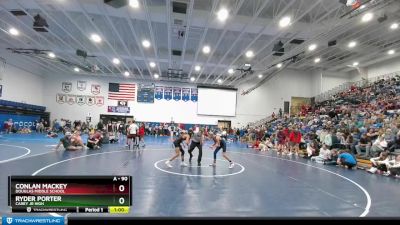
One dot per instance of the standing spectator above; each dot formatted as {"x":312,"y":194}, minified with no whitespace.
{"x":295,"y":139}
{"x":100,"y":125}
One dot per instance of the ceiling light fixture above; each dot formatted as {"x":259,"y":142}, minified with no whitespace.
{"x":312,"y":47}
{"x":394,"y":26}
{"x":76,"y":69}
{"x":192,"y":79}
{"x":156,"y":76}
{"x":116,"y":61}
{"x":352,"y":44}
{"x":231,"y":71}
{"x":146,"y":43}
{"x":355,"y":63}
{"x":260,"y":76}
{"x":391,"y":52}
{"x":285,"y":21}
{"x":126,"y":74}
{"x":222,"y":14}
{"x":367,"y":17}
{"x":51,"y":55}
{"x":197,"y":68}
{"x":134,"y":3}
{"x":206,"y":49}
{"x":152,"y":64}
{"x":279,"y":65}
{"x":317,"y":60}
{"x":13,"y":31}
{"x":95,"y":37}
{"x":249,"y":54}
{"x":219,"y":81}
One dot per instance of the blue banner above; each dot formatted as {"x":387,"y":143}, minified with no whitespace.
{"x":32,"y":220}
{"x":19,"y":121}
{"x":167,"y":93}
{"x":194,"y":97}
{"x":177,"y":93}
{"x":158,"y":92}
{"x":185,"y":94}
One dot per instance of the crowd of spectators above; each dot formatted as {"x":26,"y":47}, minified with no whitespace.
{"x":360,"y":122}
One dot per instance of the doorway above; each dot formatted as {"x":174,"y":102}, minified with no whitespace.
{"x":286,"y":107}
{"x":224,"y":124}
{"x":115,"y":118}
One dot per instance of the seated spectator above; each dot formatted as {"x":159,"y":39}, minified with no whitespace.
{"x":379,"y":146}
{"x":363,"y":144}
{"x":379,"y":163}
{"x":8,"y":126}
{"x":66,"y":142}
{"x":333,"y":159}
{"x":255,"y":145}
{"x":312,"y":149}
{"x":372,"y":134}
{"x":328,"y":141}
{"x":346,"y":159}
{"x":112,"y":138}
{"x":94,"y":141}
{"x":324,"y":155}
{"x":393,"y":167}
{"x":349,"y":142}
{"x":266,"y":145}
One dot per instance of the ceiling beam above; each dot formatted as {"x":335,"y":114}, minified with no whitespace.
{"x":200,"y":46}
{"x":272,"y":41}
{"x":123,"y":44}
{"x":187,"y":29}
{"x":221,"y":37}
{"x":122,"y":61}
{"x":68,"y":33}
{"x":83,"y":34}
{"x":153,"y":41}
{"x":255,"y":16}
{"x":261,"y":32}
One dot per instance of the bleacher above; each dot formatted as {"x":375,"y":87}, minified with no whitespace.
{"x":21,"y":106}
{"x":352,"y":95}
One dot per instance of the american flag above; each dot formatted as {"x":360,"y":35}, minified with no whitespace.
{"x":118,"y":91}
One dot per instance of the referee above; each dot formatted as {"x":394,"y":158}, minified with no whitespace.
{"x":197,"y":141}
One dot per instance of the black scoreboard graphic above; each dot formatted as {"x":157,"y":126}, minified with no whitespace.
{"x":146,"y":93}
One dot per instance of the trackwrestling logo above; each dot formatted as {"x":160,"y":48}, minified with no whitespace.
{"x":33,"y":220}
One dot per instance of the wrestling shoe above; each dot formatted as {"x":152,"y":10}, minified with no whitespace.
{"x":168,"y":163}
{"x":231,"y":165}
{"x":184,"y":164}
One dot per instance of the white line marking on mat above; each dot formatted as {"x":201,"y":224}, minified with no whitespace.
{"x":367,"y":207}
{"x":28,"y":151}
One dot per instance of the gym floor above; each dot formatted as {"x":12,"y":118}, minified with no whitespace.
{"x":261,"y":184}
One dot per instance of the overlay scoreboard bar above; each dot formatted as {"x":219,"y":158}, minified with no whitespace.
{"x":70,"y":194}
